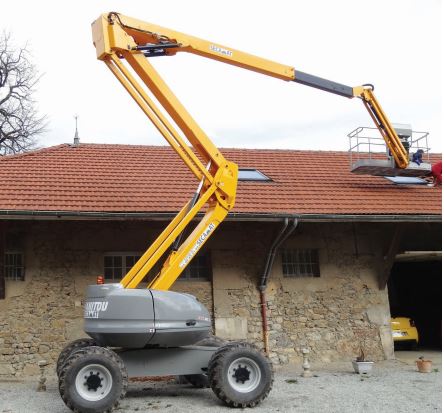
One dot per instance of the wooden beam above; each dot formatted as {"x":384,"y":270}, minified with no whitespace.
{"x":389,"y":257}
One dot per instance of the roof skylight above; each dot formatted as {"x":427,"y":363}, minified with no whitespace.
{"x":250,"y":174}
{"x":406,"y":180}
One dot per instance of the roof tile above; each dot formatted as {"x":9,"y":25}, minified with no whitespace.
{"x":130,"y":178}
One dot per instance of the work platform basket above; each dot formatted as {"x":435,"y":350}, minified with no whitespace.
{"x":369,"y":154}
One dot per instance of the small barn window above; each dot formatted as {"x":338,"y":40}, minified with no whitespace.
{"x":14,"y":266}
{"x":199,"y":269}
{"x":300,"y":263}
{"x":116,"y":265}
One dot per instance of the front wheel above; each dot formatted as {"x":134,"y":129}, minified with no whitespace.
{"x":93,"y":380}
{"x":240,"y":375}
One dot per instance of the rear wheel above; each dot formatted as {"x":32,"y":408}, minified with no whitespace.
{"x":70,"y":348}
{"x":240,"y":375}
{"x":201,"y":380}
{"x":93,"y":380}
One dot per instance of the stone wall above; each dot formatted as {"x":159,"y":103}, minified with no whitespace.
{"x":43,"y":313}
{"x":340,"y":312}
{"x":332,"y":315}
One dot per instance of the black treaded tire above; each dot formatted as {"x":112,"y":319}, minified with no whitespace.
{"x":80,"y":381}
{"x":70,"y":348}
{"x":240,"y":375}
{"x":201,"y":381}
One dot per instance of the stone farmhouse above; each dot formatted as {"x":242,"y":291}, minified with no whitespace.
{"x":312,"y":256}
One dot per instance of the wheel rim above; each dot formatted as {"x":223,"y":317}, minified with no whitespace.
{"x":244,"y":375}
{"x":94,"y":382}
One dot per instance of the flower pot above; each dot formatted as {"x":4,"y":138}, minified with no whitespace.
{"x":362,"y":367}
{"x":424,"y":366}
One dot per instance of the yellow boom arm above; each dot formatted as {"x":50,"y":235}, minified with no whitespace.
{"x":119,"y":38}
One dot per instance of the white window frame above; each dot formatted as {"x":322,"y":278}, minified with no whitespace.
{"x":300,"y":263}
{"x":124,"y":268}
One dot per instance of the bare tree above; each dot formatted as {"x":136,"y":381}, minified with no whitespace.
{"x":20,"y":123}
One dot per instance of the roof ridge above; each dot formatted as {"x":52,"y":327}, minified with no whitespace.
{"x":33,"y":152}
{"x":221,"y":148}
{"x":167,"y":147}
{"x":282,"y":150}
{"x":117,"y":144}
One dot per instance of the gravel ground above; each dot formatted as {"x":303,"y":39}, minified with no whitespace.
{"x":393,"y":386}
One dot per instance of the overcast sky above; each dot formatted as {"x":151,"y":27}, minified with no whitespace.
{"x":396,"y":45}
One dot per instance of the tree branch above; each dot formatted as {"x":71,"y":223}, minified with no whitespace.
{"x":20,"y":123}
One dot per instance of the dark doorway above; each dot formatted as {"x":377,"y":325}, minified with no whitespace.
{"x":415,"y":291}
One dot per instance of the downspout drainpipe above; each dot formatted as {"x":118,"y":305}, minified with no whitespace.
{"x":283,"y":234}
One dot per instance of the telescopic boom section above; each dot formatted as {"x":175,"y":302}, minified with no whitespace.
{"x":119,"y":39}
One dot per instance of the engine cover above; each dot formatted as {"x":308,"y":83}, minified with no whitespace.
{"x":135,"y":318}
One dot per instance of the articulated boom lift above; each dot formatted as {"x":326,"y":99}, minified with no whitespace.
{"x":154,"y":331}
{"x":116,"y":38}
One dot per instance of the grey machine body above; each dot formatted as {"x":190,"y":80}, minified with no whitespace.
{"x":153,"y":331}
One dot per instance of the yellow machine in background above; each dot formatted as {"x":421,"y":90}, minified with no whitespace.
{"x":404,"y":331}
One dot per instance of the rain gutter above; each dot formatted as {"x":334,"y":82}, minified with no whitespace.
{"x":264,"y":217}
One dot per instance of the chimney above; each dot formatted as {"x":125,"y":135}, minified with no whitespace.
{"x":76,"y":136}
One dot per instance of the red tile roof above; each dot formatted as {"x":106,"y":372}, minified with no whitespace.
{"x":125,"y":178}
